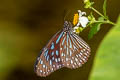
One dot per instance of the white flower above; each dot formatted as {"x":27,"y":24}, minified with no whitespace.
{"x":82,"y":19}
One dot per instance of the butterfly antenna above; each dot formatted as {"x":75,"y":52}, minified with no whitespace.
{"x":66,"y":13}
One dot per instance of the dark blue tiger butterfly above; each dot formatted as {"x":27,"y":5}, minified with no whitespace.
{"x":65,"y":49}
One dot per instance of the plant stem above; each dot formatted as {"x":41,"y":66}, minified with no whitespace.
{"x":107,"y":20}
{"x":98,"y":12}
{"x":111,"y":23}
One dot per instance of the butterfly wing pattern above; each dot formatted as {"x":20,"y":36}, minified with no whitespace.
{"x":65,"y":49}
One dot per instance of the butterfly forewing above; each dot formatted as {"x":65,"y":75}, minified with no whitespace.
{"x":49,"y":60}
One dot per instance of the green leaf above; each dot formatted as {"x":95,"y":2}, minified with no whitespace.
{"x":95,"y":28}
{"x":117,"y":26}
{"x":104,"y":8}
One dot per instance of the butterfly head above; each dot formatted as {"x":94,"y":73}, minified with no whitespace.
{"x":67,"y":26}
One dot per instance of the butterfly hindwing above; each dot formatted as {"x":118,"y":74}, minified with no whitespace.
{"x":49,"y":60}
{"x":75,"y":51}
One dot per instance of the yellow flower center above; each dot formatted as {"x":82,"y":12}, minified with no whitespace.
{"x":75,"y":19}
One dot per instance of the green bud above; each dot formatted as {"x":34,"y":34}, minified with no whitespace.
{"x":86,"y":1}
{"x":91,"y":18}
{"x":88,"y":4}
{"x":81,"y":29}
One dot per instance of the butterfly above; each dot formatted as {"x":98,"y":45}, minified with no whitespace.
{"x":65,"y":49}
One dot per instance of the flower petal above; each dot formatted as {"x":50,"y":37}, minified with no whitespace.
{"x":83,"y":20}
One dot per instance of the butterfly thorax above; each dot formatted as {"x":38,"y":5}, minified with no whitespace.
{"x":67,"y":27}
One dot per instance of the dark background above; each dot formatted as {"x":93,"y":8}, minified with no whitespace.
{"x":27,"y":25}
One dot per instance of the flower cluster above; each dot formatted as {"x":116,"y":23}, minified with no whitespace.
{"x":80,"y":19}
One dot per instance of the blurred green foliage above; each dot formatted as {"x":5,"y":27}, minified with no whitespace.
{"x":107,"y":61}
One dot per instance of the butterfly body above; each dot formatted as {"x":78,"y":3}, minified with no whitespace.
{"x":65,"y":49}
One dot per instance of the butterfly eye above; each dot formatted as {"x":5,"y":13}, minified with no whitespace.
{"x":65,"y":49}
